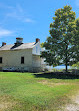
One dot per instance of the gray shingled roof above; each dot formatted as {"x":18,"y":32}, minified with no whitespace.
{"x":22,"y":46}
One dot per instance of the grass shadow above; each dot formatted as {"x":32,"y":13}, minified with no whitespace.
{"x":57,"y":75}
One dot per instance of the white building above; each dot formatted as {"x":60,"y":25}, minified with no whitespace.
{"x":21,"y":56}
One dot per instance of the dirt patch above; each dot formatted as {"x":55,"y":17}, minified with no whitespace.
{"x":5,"y":105}
{"x":75,"y":104}
{"x":72,"y":107}
{"x":45,"y":82}
{"x":6,"y":102}
{"x":77,"y":99}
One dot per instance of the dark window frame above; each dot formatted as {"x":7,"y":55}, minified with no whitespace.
{"x":22,"y":60}
{"x":0,"y":60}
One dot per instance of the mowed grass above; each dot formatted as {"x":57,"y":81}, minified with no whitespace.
{"x":36,"y":92}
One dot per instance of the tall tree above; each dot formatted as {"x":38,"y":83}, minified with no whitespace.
{"x":59,"y":48}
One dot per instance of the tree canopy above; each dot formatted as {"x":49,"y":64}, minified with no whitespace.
{"x":60,"y":45}
{"x":76,"y":40}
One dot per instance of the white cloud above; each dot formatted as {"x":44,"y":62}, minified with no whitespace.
{"x":19,"y":8}
{"x":17,"y":12}
{"x":19,"y":15}
{"x":4,"y":6}
{"x":5,"y":32}
{"x":28,"y":20}
{"x":13,"y":15}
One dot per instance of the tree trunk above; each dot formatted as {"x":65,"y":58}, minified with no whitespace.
{"x":66,"y":59}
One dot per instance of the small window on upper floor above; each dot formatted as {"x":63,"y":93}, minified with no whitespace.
{"x":22,"y":60}
{"x":0,"y":59}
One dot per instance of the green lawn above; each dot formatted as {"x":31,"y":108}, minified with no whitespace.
{"x":36,"y":92}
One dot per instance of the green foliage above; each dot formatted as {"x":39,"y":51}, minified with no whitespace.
{"x":42,"y":44}
{"x":76,"y":40}
{"x":76,"y":66}
{"x":60,"y":45}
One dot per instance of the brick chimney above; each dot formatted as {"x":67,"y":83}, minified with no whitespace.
{"x":37,"y":40}
{"x":3,"y":43}
{"x":19,"y":41}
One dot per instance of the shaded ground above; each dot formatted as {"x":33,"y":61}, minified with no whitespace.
{"x":57,"y":75}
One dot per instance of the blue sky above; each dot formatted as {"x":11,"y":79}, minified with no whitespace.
{"x":29,"y":19}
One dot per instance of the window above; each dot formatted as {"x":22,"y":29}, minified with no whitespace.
{"x":22,"y":60}
{"x":0,"y":59}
